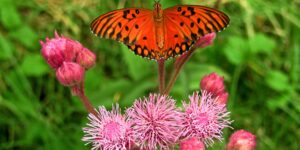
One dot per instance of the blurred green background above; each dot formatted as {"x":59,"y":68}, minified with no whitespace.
{"x":258,"y":54}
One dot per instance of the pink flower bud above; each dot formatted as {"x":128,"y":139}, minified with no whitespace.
{"x":52,"y":52}
{"x":213,"y":84}
{"x":241,"y":140}
{"x":206,"y":40}
{"x":192,"y":144}
{"x":222,"y":98}
{"x":86,"y":58}
{"x":60,"y":49}
{"x":70,"y":74}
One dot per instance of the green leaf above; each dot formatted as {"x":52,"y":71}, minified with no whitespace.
{"x":138,"y":67}
{"x":6,"y":48}
{"x":34,"y":65}
{"x":236,"y":50}
{"x":10,"y":17}
{"x":261,"y":43}
{"x":277,"y":80}
{"x":26,"y":36}
{"x":278,"y":102}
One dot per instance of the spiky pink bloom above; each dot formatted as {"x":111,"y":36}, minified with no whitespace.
{"x":214,"y":84}
{"x":70,"y":74}
{"x":204,"y":118}
{"x":242,"y":140}
{"x":154,"y":122}
{"x":206,"y":40}
{"x":108,"y":130}
{"x":192,"y":144}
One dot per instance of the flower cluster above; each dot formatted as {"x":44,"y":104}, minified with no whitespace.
{"x":68,"y":57}
{"x":157,"y":123}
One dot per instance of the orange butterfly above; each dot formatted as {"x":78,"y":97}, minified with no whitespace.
{"x":159,"y":34}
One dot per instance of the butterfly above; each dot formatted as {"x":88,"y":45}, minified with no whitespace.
{"x":159,"y":34}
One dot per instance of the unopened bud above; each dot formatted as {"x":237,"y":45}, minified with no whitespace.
{"x":86,"y":58}
{"x":212,"y":83}
{"x":222,"y":98}
{"x":241,"y":140}
{"x":70,"y":74}
{"x":206,"y":40}
{"x":60,"y":49}
{"x":52,"y":52}
{"x":192,"y":144}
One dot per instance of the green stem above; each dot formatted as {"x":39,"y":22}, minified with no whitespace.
{"x":234,"y":85}
{"x":79,"y":91}
{"x":161,"y":74}
{"x":180,"y":61}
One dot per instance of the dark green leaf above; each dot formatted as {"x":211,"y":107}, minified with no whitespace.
{"x":10,"y":17}
{"x":26,"y":36}
{"x":6,"y":48}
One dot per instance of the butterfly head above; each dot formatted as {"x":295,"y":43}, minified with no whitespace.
{"x":157,"y":10}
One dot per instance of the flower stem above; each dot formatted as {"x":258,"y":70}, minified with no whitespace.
{"x":180,"y":61}
{"x":161,"y":74}
{"x":79,"y":91}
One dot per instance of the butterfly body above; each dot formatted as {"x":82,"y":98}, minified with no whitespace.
{"x":159,"y":34}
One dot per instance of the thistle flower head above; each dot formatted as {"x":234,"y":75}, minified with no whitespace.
{"x":241,"y":140}
{"x":204,"y":118}
{"x":154,"y":122}
{"x":70,"y":74}
{"x":108,"y":130}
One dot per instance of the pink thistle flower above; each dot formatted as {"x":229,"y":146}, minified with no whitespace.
{"x":192,"y":144}
{"x":241,"y":140}
{"x":70,"y":74}
{"x":206,"y":40}
{"x":108,"y":130}
{"x":154,"y":122}
{"x":204,"y":118}
{"x":214,"y":84}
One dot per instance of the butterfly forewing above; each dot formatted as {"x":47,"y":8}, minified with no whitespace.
{"x":189,"y":23}
{"x":132,"y":26}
